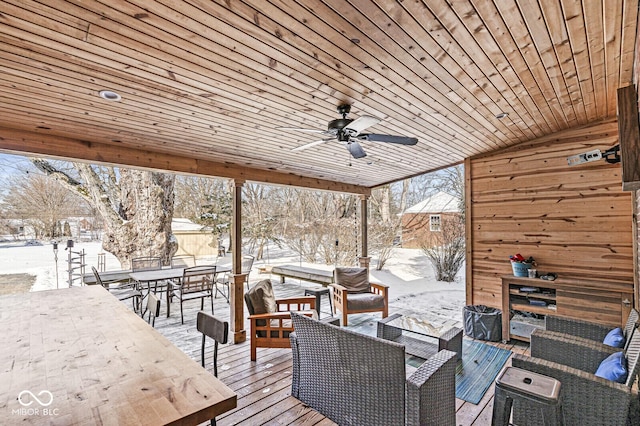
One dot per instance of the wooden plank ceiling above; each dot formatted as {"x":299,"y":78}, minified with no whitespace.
{"x":214,"y":80}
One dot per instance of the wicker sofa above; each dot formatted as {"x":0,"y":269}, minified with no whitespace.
{"x":586,"y":399}
{"x":589,"y":330}
{"x":355,"y":379}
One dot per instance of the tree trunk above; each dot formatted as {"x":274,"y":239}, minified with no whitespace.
{"x":136,"y":207}
{"x":146,"y":207}
{"x":385,"y":204}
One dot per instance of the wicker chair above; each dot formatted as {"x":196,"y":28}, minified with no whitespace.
{"x":269,"y":317}
{"x":589,"y":330}
{"x":354,"y":379}
{"x":353,"y":293}
{"x":586,"y":398}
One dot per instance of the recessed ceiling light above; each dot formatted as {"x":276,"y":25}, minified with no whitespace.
{"x":109,"y":95}
{"x":502,"y":115}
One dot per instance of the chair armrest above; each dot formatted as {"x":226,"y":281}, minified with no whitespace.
{"x":295,"y":374}
{"x":578,"y":328}
{"x":431,"y":391}
{"x":120,"y":284}
{"x":338,"y":287}
{"x":270,"y":316}
{"x":287,"y":304}
{"x":576,"y":352}
{"x":279,"y":315}
{"x":586,"y":399}
{"x":379,"y":288}
{"x":379,"y":285}
{"x":174,"y":283}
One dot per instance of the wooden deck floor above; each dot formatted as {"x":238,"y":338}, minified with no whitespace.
{"x":264,"y":386}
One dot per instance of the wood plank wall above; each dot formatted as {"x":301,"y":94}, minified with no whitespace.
{"x":575,"y":221}
{"x":636,"y":194}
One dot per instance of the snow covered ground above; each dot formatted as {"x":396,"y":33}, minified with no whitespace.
{"x":408,"y":273}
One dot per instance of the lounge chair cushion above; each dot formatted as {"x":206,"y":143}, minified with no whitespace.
{"x":614,"y":368}
{"x":262,"y":298}
{"x":615,"y":338}
{"x":356,"y":280}
{"x":363,"y":301}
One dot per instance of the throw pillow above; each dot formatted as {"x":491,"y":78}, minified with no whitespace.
{"x":356,"y":280}
{"x":262,"y":298}
{"x":615,"y":338}
{"x":614,"y":368}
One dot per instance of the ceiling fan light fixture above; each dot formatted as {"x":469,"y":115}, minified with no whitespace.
{"x":110,"y":95}
{"x":502,"y":115}
{"x":349,"y":132}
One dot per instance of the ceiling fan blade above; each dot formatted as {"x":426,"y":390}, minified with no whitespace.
{"x":402,"y":140}
{"x":359,"y":124}
{"x":355,"y":149}
{"x":311,"y":144}
{"x":296,"y":129}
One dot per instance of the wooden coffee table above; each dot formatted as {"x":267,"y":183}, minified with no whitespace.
{"x":394,"y":327}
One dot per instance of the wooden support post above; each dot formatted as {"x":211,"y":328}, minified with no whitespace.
{"x":236,"y":299}
{"x":364,"y":213}
{"x":629,"y":137}
{"x":364,"y":262}
{"x":468,"y":233}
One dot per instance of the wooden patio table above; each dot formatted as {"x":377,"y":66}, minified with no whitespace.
{"x":79,"y":356}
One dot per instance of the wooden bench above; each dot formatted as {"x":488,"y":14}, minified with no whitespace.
{"x":306,"y":274}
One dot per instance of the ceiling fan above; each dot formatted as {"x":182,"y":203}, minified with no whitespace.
{"x":348,"y":131}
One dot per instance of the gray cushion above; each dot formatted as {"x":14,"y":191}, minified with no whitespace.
{"x":356,"y":280}
{"x":261,"y":298}
{"x":360,"y":301}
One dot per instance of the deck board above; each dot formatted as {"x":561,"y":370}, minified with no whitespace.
{"x":264,"y":387}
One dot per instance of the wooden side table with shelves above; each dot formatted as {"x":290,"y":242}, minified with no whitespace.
{"x":606,"y":302}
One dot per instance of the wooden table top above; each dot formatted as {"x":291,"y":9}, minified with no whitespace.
{"x":79,"y":356}
{"x":167,"y":274}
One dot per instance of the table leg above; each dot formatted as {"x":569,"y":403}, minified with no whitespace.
{"x":452,"y":341}
{"x":317,"y":294}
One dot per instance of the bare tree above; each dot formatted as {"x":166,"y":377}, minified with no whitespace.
{"x":261,"y":216}
{"x":42,"y":203}
{"x":445,"y":248}
{"x":452,"y":182}
{"x":136,"y":206}
{"x":315,"y":221}
{"x":385,"y":229}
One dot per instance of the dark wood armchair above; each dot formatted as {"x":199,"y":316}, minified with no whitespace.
{"x":353,"y":293}
{"x":269,"y":317}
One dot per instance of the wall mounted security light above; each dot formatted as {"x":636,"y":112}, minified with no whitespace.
{"x":611,"y":156}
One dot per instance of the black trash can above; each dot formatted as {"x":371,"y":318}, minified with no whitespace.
{"x":482,"y":322}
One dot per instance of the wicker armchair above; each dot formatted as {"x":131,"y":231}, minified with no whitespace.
{"x":355,"y":379}
{"x":353,"y":293}
{"x":586,"y":399}
{"x":589,"y":330}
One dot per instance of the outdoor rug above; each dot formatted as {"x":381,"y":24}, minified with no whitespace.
{"x":480,"y":365}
